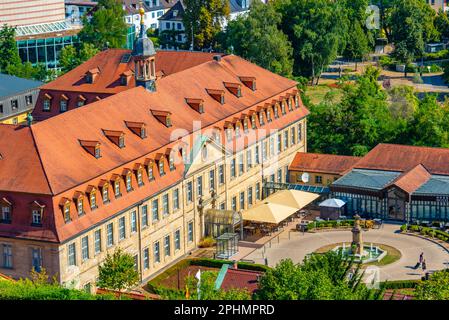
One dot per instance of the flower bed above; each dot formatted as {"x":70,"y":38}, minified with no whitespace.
{"x":338,"y":224}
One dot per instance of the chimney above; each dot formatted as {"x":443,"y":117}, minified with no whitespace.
{"x":217,"y":58}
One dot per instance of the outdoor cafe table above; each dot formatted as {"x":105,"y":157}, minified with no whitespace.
{"x":250,"y":229}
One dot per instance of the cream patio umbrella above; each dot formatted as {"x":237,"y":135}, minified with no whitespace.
{"x":292,"y":198}
{"x":267,"y":212}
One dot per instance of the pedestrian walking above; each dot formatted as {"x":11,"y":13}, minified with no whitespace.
{"x":421,"y":257}
{"x":424,"y":266}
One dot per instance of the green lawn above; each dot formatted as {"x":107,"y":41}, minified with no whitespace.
{"x":317,"y":93}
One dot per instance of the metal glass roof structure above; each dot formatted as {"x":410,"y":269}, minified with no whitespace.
{"x":367,"y":179}
{"x":42,"y":28}
{"x":294,"y":186}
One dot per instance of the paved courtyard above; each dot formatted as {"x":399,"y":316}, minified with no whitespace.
{"x":299,"y":245}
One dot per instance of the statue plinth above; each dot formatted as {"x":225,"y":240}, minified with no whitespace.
{"x":357,"y":242}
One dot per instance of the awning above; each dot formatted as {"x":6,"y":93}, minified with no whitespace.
{"x":268,"y":212}
{"x":332,"y":203}
{"x":292,"y":198}
{"x":279,"y":206}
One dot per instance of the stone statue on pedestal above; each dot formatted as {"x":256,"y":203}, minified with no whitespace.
{"x":357,"y":242}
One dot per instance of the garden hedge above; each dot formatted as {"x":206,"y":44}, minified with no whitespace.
{"x":426,"y":231}
{"x":400,"y":284}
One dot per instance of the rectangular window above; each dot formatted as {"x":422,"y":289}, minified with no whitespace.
{"x":14,"y":104}
{"x":146,"y":258}
{"x":155,"y":210}
{"x":46,"y":106}
{"x":250,"y":196}
{"x":80,"y":206}
{"x":249,"y":162}
{"x":190,"y":231}
{"x":272,"y":146}
{"x":37,"y":218}
{"x":36,"y":259}
{"x":279,"y":175}
{"x":63,"y":106}
{"x":85,"y":248}
{"x":258,"y":191}
{"x":257,"y":155}
{"x":199,"y":186}
{"x":133,"y":221}
{"x":292,"y":136}
{"x":7,"y":256}
{"x":189,"y":192}
{"x":318,"y":179}
{"x":221,"y":179}
{"x":144,"y":216}
{"x":72,"y":254}
{"x":167,"y":246}
{"x":299,"y":133}
{"x":279,"y":146}
{"x":110,"y":235}
{"x":233,"y":168}
{"x":177,"y":239}
{"x":286,"y":139}
{"x":117,"y":189}
{"x":241,"y":165}
{"x":242,"y":200}
{"x":165,"y":208}
{"x":6,"y":214}
{"x":129,"y":186}
{"x":28,"y":100}
{"x":234,"y":203}
{"x":121,"y":228}
{"x":157,"y":254}
{"x":97,"y":240}
{"x":212,"y":179}
{"x":222,"y":206}
{"x":264,"y":151}
{"x":176,"y":199}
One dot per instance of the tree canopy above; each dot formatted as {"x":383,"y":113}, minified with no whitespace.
{"x":117,"y":272}
{"x":106,"y":27}
{"x":204,"y":20}
{"x":320,"y":277}
{"x":436,"y":288}
{"x":256,"y":37}
{"x":71,"y":56}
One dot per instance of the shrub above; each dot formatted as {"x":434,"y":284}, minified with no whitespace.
{"x":400,"y":284}
{"x":206,"y":242}
{"x":387,"y":62}
{"x":403,"y":227}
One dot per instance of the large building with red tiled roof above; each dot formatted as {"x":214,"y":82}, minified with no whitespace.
{"x":398,"y":182}
{"x":140,"y":167}
{"x":319,"y":169}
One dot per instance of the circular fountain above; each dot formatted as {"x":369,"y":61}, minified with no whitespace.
{"x":357,"y":250}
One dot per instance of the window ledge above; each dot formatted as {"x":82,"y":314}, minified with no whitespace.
{"x":118,"y":195}
{"x":106,"y":202}
{"x":38,"y":224}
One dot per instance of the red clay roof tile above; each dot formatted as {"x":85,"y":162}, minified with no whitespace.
{"x":322,"y":163}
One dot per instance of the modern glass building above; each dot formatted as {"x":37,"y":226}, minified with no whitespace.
{"x":43,"y":43}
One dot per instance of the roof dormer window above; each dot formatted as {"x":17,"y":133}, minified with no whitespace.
{"x":237,"y":130}
{"x":245,"y":125}
{"x":116,"y":137}
{"x":250,"y":82}
{"x":104,"y":186}
{"x":289,"y":103}
{"x":91,"y":75}
{"x":268,"y":115}
{"x":283,"y":108}
{"x":5,"y":211}
{"x":65,"y":207}
{"x":138,"y":168}
{"x":137,"y":128}
{"x":217,"y":95}
{"x":125,"y":77}
{"x":196,"y":104}
{"x":128,"y":180}
{"x":160,"y":159}
{"x":150,"y":171}
{"x":81,"y":101}
{"x":253,"y":121}
{"x":261,"y":120}
{"x":79,"y":200}
{"x":297,"y":100}
{"x":93,"y":147}
{"x":163,"y":117}
{"x":63,"y":103}
{"x":92,"y":193}
{"x":234,"y":88}
{"x":47,"y":102}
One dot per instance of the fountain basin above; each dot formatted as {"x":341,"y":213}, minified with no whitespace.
{"x":370,"y":253}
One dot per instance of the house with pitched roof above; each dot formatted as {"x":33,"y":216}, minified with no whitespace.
{"x":127,"y":163}
{"x":393,"y":182}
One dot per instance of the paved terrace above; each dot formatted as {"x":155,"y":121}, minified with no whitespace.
{"x":295,"y":245}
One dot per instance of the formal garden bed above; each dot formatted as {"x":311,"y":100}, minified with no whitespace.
{"x":426,"y":232}
{"x":174,"y":279}
{"x":317,"y":226}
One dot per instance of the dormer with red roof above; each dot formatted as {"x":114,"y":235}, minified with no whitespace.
{"x":164,"y":117}
{"x":91,"y":75}
{"x":216,"y":94}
